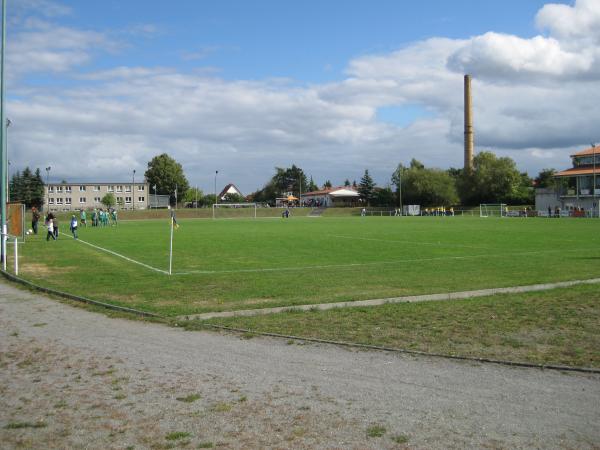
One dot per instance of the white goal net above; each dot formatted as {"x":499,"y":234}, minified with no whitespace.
{"x":492,"y":210}
{"x":234,"y":211}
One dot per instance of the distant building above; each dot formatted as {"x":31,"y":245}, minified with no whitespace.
{"x":75,"y":196}
{"x":230,"y":189}
{"x":331,"y":197}
{"x":577,"y":188}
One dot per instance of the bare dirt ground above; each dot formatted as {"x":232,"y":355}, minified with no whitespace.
{"x":70,"y":378}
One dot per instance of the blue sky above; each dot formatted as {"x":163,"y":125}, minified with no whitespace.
{"x":336,"y":87}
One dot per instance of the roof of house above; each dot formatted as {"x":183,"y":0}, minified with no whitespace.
{"x":577,"y":171}
{"x":340,"y":191}
{"x":230,"y":189}
{"x":588,"y":151}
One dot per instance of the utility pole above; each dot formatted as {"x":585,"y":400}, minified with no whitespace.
{"x":133,"y":191}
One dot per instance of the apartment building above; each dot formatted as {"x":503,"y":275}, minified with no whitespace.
{"x":76,"y":196}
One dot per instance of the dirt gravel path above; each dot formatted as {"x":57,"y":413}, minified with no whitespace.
{"x":70,"y":378}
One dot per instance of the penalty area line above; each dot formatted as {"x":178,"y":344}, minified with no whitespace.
{"x":126,"y":258}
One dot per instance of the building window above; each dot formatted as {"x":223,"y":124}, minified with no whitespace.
{"x":127,"y":200}
{"x":81,"y":188}
{"x":51,"y":200}
{"x":67,"y":189}
{"x":141,"y":187}
{"x":96,"y":188}
{"x":119,"y":188}
{"x":51,"y":189}
{"x":59,"y":189}
{"x":127,"y":188}
{"x":81,"y":199}
{"x":111,"y":188}
{"x":59,"y":201}
{"x":141,"y":199}
{"x":97,"y":199}
{"x":68,"y":201}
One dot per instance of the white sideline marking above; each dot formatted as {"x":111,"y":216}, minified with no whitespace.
{"x":439,"y":244}
{"x":120,"y":256}
{"x":374,"y":263}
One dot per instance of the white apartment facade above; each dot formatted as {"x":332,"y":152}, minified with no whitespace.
{"x":77,"y":196}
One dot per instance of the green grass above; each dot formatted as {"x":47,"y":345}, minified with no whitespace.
{"x":551,"y":327}
{"x":241,"y":264}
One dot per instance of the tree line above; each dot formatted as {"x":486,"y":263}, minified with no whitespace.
{"x":492,"y":180}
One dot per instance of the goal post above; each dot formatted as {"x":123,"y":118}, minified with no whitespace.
{"x":234,"y":211}
{"x":492,"y":210}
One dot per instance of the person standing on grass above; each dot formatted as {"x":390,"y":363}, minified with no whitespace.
{"x":55,"y":225}
{"x":35,"y":218}
{"x":50,"y":225}
{"x":83,"y":218}
{"x":113,"y":214}
{"x":73,"y":226}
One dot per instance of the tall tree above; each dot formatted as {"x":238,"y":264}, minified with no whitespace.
{"x":492,"y":180}
{"x":285,"y":180}
{"x":346,"y":182}
{"x":167,"y":175}
{"x":327,"y":184}
{"x":423,"y":186}
{"x":545,"y":178}
{"x":27,"y":187}
{"x":366,"y":187}
{"x":312,"y":186}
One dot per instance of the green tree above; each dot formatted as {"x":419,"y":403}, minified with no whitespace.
{"x":545,"y":178}
{"x":208,"y":199}
{"x":27,"y":187}
{"x":423,"y":186}
{"x":492,"y":180}
{"x":193,"y":194}
{"x":285,"y":180}
{"x":327,"y":184}
{"x":346,"y":182}
{"x":366,"y":187}
{"x":109,"y":200}
{"x":312,"y":185}
{"x":383,"y":196}
{"x":167,"y":175}
{"x":233,"y":198}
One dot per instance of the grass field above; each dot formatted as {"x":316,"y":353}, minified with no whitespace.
{"x":241,"y":264}
{"x":559,"y":326}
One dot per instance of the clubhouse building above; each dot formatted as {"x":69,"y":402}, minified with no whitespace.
{"x":331,"y":197}
{"x":76,"y":196}
{"x":577,"y":188}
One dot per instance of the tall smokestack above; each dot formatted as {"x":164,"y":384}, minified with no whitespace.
{"x":468,"y":125}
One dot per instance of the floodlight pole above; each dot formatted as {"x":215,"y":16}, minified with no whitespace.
{"x":594,"y":179}
{"x":4,"y":158}
{"x":216,"y":173}
{"x":48,"y":188}
{"x":133,"y":191}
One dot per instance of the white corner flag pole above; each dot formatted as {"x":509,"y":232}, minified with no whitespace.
{"x":171,"y":248}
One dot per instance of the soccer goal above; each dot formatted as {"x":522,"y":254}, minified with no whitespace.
{"x":492,"y":210}
{"x":234,"y":211}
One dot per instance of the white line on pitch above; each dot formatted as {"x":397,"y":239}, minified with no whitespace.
{"x":438,"y":244}
{"x":119,"y":255}
{"x":374,"y":263}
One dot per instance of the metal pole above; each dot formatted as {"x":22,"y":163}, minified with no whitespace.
{"x":400,"y":191}
{"x":300,"y":196}
{"x":4,"y":159}
{"x":594,"y":180}
{"x":171,"y":247}
{"x":48,"y":189}
{"x":133,"y":191}
{"x":16,"y":256}
{"x":175,"y":195}
{"x":196,"y":196}
{"x":216,"y":173}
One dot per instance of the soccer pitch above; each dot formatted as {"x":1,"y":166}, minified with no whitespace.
{"x":223,"y":265}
